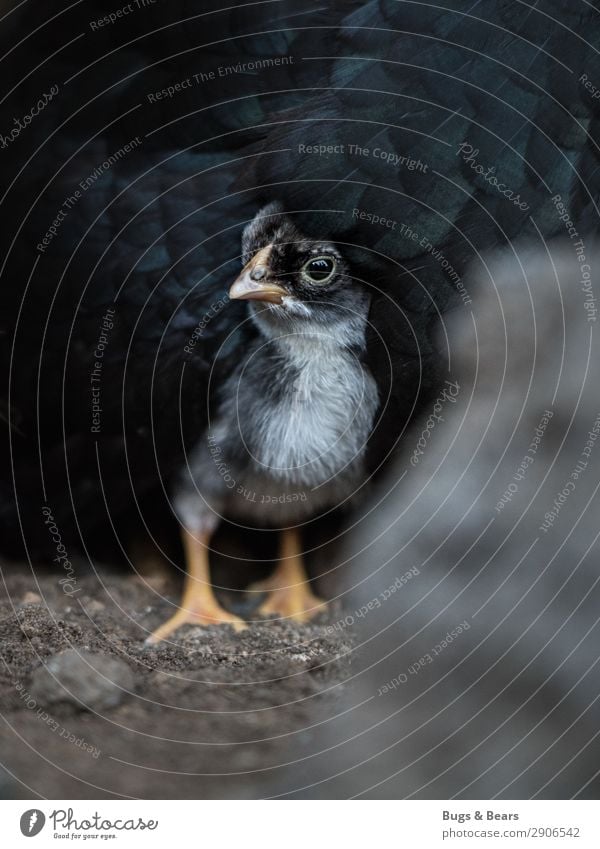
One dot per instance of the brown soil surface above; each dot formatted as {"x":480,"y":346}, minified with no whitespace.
{"x":215,"y":714}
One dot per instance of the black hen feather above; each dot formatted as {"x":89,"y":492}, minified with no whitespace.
{"x":413,"y":137}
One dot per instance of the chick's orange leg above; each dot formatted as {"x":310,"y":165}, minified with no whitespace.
{"x":198,"y":605}
{"x":290,"y":593}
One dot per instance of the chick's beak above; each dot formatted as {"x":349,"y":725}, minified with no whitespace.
{"x":255,"y":281}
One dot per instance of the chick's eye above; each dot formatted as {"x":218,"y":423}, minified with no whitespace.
{"x":319,"y":269}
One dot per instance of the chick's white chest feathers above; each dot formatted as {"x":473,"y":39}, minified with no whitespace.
{"x":304,"y":410}
{"x":319,"y":419}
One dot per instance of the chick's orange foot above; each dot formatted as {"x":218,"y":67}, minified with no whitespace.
{"x":198,"y":605}
{"x":297,"y":603}
{"x":205,"y":616}
{"x":289,"y":593}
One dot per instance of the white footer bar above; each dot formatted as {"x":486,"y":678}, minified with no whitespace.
{"x":298,"y":824}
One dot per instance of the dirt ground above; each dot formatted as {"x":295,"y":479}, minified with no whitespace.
{"x":214,"y":715}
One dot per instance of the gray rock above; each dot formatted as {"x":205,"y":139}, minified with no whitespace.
{"x":478,"y":676}
{"x":9,"y":788}
{"x":89,"y":681}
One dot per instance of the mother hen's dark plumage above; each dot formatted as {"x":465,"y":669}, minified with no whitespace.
{"x":408,"y":137}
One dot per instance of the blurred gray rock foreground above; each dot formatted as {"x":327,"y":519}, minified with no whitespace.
{"x":479,"y":676}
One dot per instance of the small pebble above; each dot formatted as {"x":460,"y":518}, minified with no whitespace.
{"x":31,"y":598}
{"x":159,"y":583}
{"x":87,"y":680}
